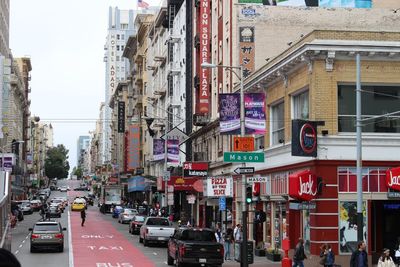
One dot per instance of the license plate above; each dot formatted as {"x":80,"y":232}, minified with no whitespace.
{"x":161,"y":238}
{"x":202,"y":260}
{"x":45,"y":236}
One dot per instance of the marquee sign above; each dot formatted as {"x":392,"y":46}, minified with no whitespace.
{"x":393,"y":178}
{"x":204,"y":25}
{"x":303,"y":185}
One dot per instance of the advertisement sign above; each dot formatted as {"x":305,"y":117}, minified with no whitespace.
{"x":229,"y":113}
{"x":7,"y":160}
{"x":181,"y":184}
{"x":303,"y":185}
{"x":348,"y":226}
{"x":158,"y":149}
{"x":191,"y":169}
{"x":204,"y":25}
{"x":247,"y":50}
{"x":121,"y":116}
{"x":219,"y":186}
{"x":393,"y":178}
{"x":254,"y":110}
{"x":138,"y":183}
{"x":304,"y":138}
{"x":133,"y":147}
{"x":173,"y":151}
{"x":313,"y":3}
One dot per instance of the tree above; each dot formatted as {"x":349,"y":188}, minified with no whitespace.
{"x":56,"y":164}
{"x":78,"y":172}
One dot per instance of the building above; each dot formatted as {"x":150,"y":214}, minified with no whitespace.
{"x":82,"y":144}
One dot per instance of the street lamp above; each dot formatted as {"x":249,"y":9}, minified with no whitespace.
{"x":243,"y":261}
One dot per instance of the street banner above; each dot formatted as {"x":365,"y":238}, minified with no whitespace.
{"x":173,"y":151}
{"x":219,"y":187}
{"x":133,"y":147}
{"x":254,"y":110}
{"x":229,"y":113}
{"x":158,"y":149}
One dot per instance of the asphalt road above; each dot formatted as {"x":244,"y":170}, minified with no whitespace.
{"x":20,"y":245}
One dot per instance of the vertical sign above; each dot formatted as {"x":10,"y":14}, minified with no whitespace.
{"x":173,"y":151}
{"x":158,"y":149}
{"x":229,"y":113}
{"x":121,"y":116}
{"x":204,"y":98}
{"x":134,"y":147}
{"x":246,"y":50}
{"x":254,"y":110}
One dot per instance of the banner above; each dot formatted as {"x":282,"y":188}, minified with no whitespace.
{"x":173,"y":151}
{"x":254,"y":110}
{"x":247,"y":50}
{"x":229,"y":113}
{"x":158,"y":149}
{"x":133,"y":147}
{"x":304,"y":138}
{"x":121,"y":116}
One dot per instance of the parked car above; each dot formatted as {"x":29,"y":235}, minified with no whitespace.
{"x":156,"y":229}
{"x":195,"y":246}
{"x":127,"y":215}
{"x":78,"y":204}
{"x":47,"y":235}
{"x":26,"y":207}
{"x":116,"y":211}
{"x":136,"y":223}
{"x":17,"y":211}
{"x":63,"y":189}
{"x":36,"y":204}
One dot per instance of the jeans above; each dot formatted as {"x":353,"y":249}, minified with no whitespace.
{"x":227,"y":248}
{"x":298,"y":263}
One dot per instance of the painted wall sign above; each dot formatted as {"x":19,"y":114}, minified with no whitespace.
{"x":247,"y":50}
{"x":393,"y":178}
{"x":205,"y":20}
{"x":219,"y":186}
{"x":304,"y":138}
{"x":133,"y":147}
{"x":303,"y":185}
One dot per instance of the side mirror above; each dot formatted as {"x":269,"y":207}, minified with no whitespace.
{"x":64,"y":229}
{"x":30,"y":229}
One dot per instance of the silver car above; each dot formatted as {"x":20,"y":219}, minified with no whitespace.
{"x":127,"y":215}
{"x":46,"y":235}
{"x":26,"y":207}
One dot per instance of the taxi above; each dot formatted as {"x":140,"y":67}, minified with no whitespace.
{"x":78,"y":204}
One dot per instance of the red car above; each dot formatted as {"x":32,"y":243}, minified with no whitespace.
{"x":36,"y":205}
{"x":136,"y":223}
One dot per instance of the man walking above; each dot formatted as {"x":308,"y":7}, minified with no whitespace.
{"x":83,"y":216}
{"x":359,"y":258}
{"x":299,"y":254}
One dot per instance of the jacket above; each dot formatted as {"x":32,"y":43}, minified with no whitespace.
{"x":299,"y":254}
{"x":386,"y":262}
{"x":354,"y":258}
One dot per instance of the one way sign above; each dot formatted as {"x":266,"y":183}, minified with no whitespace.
{"x":244,"y":170}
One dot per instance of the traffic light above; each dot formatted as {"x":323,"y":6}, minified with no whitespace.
{"x":249,"y":194}
{"x":260,"y":216}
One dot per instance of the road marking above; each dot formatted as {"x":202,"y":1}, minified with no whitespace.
{"x":23,"y":241}
{"x":155,"y":253}
{"x":165,"y":262}
{"x":20,"y":246}
{"x":27,"y":237}
{"x":16,"y":252}
{"x":71,"y":254}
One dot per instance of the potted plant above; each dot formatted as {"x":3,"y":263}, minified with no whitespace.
{"x":260,"y":251}
{"x":273,"y":254}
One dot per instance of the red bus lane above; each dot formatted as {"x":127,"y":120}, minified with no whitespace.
{"x":99,"y":244}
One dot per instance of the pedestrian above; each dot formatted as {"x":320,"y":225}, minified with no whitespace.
{"x":323,"y":254}
{"x":359,"y":258}
{"x":7,"y":259}
{"x":228,"y":239}
{"x":83,"y":216}
{"x":330,"y":256}
{"x":218,"y":234}
{"x":299,"y":254}
{"x":397,"y":255}
{"x":237,"y":233}
{"x":385,"y":260}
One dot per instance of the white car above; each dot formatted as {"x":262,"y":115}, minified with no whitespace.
{"x":63,"y":189}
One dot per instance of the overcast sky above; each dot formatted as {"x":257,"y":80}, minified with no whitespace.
{"x":65,"y":41}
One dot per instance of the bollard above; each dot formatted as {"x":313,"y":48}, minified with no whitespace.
{"x":286,"y":261}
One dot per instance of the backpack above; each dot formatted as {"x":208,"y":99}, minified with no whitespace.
{"x":330,"y":258}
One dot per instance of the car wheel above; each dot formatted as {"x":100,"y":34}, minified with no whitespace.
{"x":179,"y":264}
{"x":170,"y":260}
{"x":140,"y":240}
{"x":61,"y":248}
{"x":145,"y":243}
{"x":33,"y":249}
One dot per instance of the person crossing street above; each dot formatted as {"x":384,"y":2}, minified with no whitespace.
{"x":83,"y":216}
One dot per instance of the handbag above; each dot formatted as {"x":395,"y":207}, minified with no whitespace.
{"x":322,"y":260}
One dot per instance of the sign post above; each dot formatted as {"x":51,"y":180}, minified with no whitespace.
{"x":244,"y":170}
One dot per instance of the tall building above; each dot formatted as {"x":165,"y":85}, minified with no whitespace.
{"x":5,"y":62}
{"x":82,"y":144}
{"x":120,"y":27}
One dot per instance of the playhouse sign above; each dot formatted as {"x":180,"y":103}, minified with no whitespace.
{"x":303,"y":185}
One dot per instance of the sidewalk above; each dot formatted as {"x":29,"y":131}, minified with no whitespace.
{"x":258,"y":262}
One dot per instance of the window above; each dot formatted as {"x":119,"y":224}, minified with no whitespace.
{"x":277,"y":124}
{"x":117,"y":36}
{"x":373,"y":180}
{"x":300,"y":106}
{"x":117,"y":47}
{"x":259,"y":143}
{"x":376,"y":100}
{"x":124,"y":26}
{"x":123,"y":35}
{"x":117,"y":59}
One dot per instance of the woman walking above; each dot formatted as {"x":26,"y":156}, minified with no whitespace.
{"x":385,"y":260}
{"x":228,"y":239}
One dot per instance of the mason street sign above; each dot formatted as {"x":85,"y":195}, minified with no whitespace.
{"x":243,"y":156}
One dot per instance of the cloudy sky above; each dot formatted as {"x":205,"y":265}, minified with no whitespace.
{"x":65,"y":41}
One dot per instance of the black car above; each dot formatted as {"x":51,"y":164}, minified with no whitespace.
{"x":45,"y":235}
{"x":54,"y":212}
{"x":136,"y":223}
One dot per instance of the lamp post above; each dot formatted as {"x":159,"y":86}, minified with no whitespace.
{"x":243,"y":261}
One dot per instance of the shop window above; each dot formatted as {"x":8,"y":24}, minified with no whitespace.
{"x":348,"y":226}
{"x":376,"y":101}
{"x":306,"y":230}
{"x":373,"y":179}
{"x":301,"y":106}
{"x":277,"y":124}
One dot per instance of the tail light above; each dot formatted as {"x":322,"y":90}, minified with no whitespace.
{"x":147,"y":231}
{"x":34,"y":236}
{"x":58,"y":235}
{"x":182,"y":250}
{"x":221,"y":250}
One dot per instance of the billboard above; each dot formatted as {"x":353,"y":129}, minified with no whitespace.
{"x":313,"y":3}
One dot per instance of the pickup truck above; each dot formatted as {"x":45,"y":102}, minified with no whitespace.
{"x":195,"y":246}
{"x":156,"y":229}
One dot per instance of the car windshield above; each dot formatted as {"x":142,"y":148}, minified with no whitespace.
{"x":139,"y":219}
{"x":197,"y":235}
{"x":79,"y":201}
{"x":158,"y":221}
{"x":46,"y":227}
{"x":130,"y":211}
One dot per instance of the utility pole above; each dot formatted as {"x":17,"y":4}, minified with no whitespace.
{"x":360,"y":219}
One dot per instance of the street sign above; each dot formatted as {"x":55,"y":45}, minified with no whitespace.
{"x":243,"y":144}
{"x":256,"y":179}
{"x":176,"y":134}
{"x":191,"y":199}
{"x":166,"y":176}
{"x":222,"y":203}
{"x":170,"y":199}
{"x":243,"y":156}
{"x":244,"y":170}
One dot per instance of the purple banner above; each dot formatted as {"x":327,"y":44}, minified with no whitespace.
{"x":158,"y":149}
{"x":229,"y":113}
{"x":173,"y":151}
{"x":254,"y":110}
